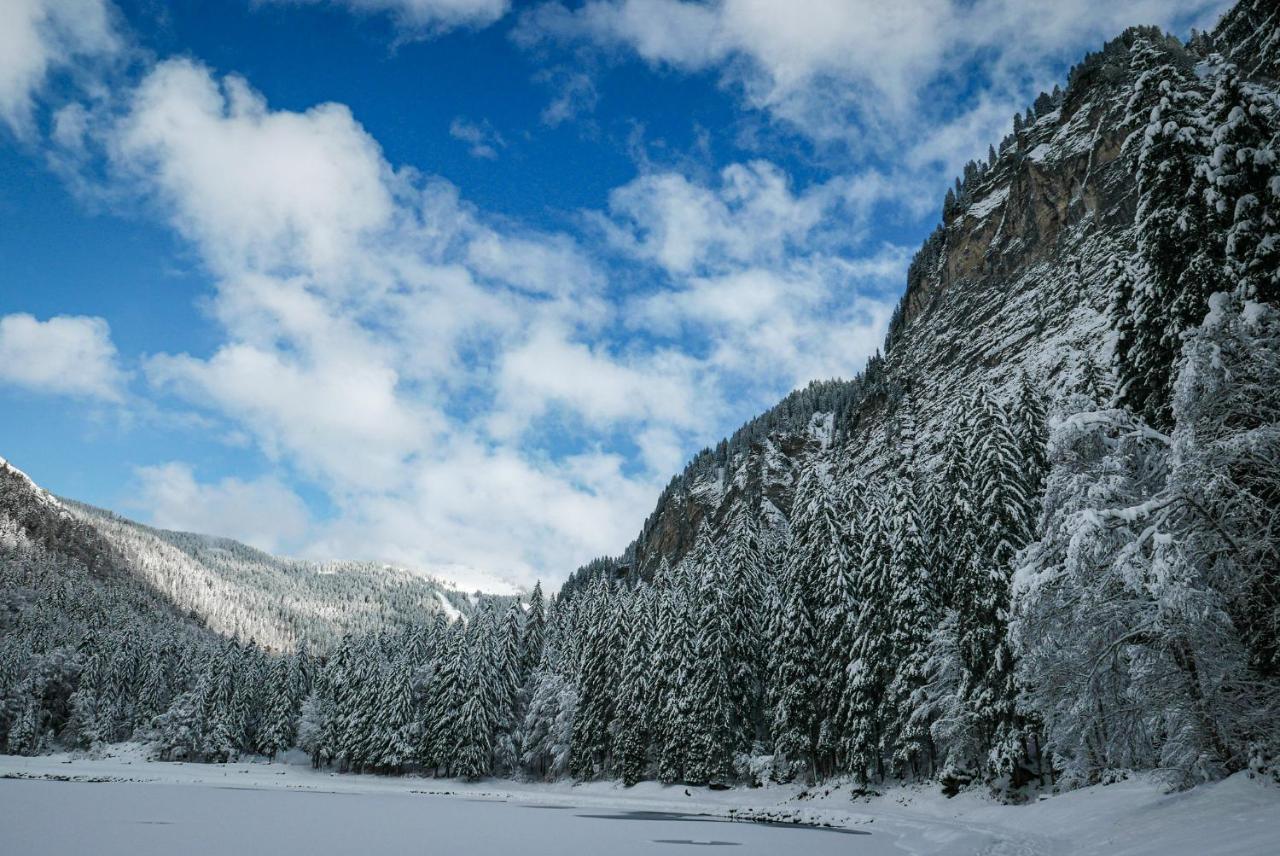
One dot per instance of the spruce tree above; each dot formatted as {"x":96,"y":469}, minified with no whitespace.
{"x":860,"y":706}
{"x":795,"y":716}
{"x":1166,"y":105}
{"x":674,"y":660}
{"x":635,"y":690}
{"x":744,"y":560}
{"x":711,"y":695}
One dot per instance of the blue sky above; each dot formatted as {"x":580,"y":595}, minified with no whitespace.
{"x":461,"y":283}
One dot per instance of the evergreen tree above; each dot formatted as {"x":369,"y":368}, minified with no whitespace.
{"x":673,"y":660}
{"x":744,"y":560}
{"x":796,"y":715}
{"x":636,"y":690}
{"x":860,"y":707}
{"x":1150,"y":313}
{"x":278,"y":729}
{"x":912,"y":614}
{"x":711,"y":696}
{"x":597,"y":684}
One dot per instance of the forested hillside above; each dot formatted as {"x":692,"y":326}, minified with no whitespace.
{"x":1034,"y":543}
{"x":105,"y":623}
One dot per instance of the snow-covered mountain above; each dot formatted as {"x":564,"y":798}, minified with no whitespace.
{"x":1031,"y":545}
{"x":229,"y":588}
{"x":1014,"y":282}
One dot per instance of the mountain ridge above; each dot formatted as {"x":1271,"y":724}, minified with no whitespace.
{"x":1061,"y":176}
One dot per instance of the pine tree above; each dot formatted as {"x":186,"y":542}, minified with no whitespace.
{"x":1166,"y":104}
{"x":635,"y":690}
{"x":711,"y":696}
{"x":1002,"y":514}
{"x":598,"y":681}
{"x":673,"y":659}
{"x":860,"y":707}
{"x":742,"y":556}
{"x":534,"y":631}
{"x":280,"y":716}
{"x":796,"y":716}
{"x":1237,"y":183}
{"x":912,"y":615}
{"x":439,"y":730}
{"x":397,"y":732}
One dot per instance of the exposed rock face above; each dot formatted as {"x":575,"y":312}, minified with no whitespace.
{"x":1015,"y":280}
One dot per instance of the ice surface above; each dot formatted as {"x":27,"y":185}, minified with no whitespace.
{"x":148,"y":807}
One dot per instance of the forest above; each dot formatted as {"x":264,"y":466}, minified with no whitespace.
{"x":1063,"y":584}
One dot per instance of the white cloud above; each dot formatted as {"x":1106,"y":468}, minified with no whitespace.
{"x":39,"y":36}
{"x":474,"y":397}
{"x":262,"y":512}
{"x":820,"y":63}
{"x":425,"y":17}
{"x":68,"y":355}
{"x":257,"y":189}
{"x":481,"y":139}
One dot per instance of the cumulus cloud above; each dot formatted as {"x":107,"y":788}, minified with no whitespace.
{"x":262,"y":512}
{"x":375,"y":323}
{"x":474,"y":397}
{"x":40,"y":36}
{"x":257,"y":189}
{"x":66,"y":355}
{"x":424,"y":17}
{"x":819,"y":63}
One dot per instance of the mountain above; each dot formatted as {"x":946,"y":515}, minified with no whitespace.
{"x":1033,"y":545}
{"x":1015,"y":281}
{"x":224,"y":586}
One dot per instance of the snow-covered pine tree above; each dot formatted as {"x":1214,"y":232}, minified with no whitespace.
{"x":1031,"y":429}
{"x":868,"y":671}
{"x":396,"y":729}
{"x":473,"y":753}
{"x":711,"y":697}
{"x":280,"y":715}
{"x":507,"y":666}
{"x":439,"y":730}
{"x":1165,"y":109}
{"x":673,"y":660}
{"x":1002,"y":516}
{"x":1239,"y":184}
{"x":827,"y":531}
{"x":533,"y":634}
{"x":911,"y":617}
{"x":742,"y":555}
{"x":598,"y":681}
{"x":796,"y":715}
{"x":635,"y":689}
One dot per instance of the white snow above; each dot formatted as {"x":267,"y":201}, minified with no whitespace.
{"x":451,"y":612}
{"x":151,"y":807}
{"x":1040,"y":153}
{"x":988,"y":203}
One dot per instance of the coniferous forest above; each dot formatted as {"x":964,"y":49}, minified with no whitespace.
{"x":1047,"y":580}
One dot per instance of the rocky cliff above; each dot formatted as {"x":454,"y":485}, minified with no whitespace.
{"x":1014,"y":282}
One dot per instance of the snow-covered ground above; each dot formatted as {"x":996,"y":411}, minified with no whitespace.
{"x":127,"y":804}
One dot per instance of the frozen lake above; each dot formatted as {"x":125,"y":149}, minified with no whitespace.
{"x":136,"y":819}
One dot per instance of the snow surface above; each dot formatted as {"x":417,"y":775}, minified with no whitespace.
{"x":989,"y":203}
{"x":451,"y":612}
{"x":138,"y":806}
{"x":1040,"y":153}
